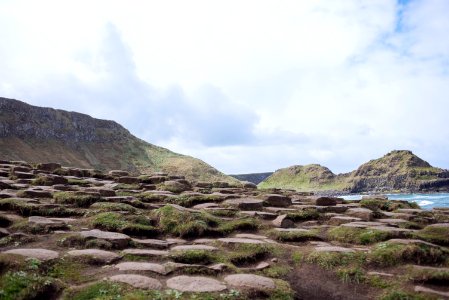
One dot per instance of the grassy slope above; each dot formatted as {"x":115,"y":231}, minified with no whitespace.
{"x":317,"y":178}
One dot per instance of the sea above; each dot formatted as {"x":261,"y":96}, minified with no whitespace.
{"x":425,"y":201}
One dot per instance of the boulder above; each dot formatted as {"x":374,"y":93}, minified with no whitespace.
{"x":277,"y":200}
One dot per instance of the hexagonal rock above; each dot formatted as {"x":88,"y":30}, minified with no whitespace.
{"x":240,"y":241}
{"x":36,"y":194}
{"x":277,"y":200}
{"x":49,"y":167}
{"x":250,"y":236}
{"x":283,"y":221}
{"x":333,"y":249}
{"x":195,"y":284}
{"x":145,"y":252}
{"x":193,"y":247}
{"x":246,"y":203}
{"x":128,"y":180}
{"x":141,"y":266}
{"x":118,"y":173}
{"x":362,"y":213}
{"x":95,"y":255}
{"x":326,"y":201}
{"x":250,"y":282}
{"x":137,"y":281}
{"x":338,"y":220}
{"x":118,"y":239}
{"x":152,"y":243}
{"x":38,"y":253}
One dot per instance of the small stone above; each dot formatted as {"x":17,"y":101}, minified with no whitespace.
{"x":283,"y":221}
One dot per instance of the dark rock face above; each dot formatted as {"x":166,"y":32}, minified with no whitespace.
{"x":26,"y":121}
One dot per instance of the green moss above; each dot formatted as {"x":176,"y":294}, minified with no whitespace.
{"x":429,"y":275}
{"x":111,"y":221}
{"x":69,"y":271}
{"x":189,"y":200}
{"x":434,"y":234}
{"x":390,"y":254}
{"x":27,"y":209}
{"x":283,"y":291}
{"x":26,"y":285}
{"x":151,"y":197}
{"x":79,"y":182}
{"x":124,"y":186}
{"x":295,"y":235}
{"x":42,"y":180}
{"x":297,"y":257}
{"x":192,"y":257}
{"x":246,"y":223}
{"x":245,"y":254}
{"x":353,"y":235}
{"x":75,"y":199}
{"x":103,"y":290}
{"x":276,"y":271}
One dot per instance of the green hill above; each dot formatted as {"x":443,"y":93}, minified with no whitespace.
{"x":38,"y":134}
{"x":399,"y":170}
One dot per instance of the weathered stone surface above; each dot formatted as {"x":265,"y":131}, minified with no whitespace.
{"x":119,"y":239}
{"x":194,"y":247}
{"x":141,"y":266}
{"x":118,"y":173}
{"x":240,"y":241}
{"x":283,"y":221}
{"x":262,"y":214}
{"x":137,"y":281}
{"x":34,"y":193}
{"x":338,"y":220}
{"x":146,"y":252}
{"x":152,"y":243}
{"x":426,"y":290}
{"x":49,"y":167}
{"x":333,"y":249}
{"x":277,"y":200}
{"x":128,"y":180}
{"x":250,"y":236}
{"x":195,"y":284}
{"x":246,"y":203}
{"x":250,"y":282}
{"x":38,"y":253}
{"x":95,"y":255}
{"x":362,"y":213}
{"x":326,"y":201}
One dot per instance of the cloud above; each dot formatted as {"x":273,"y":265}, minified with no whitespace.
{"x":246,"y":86}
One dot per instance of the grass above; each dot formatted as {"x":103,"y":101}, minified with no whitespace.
{"x":27,"y":209}
{"x":295,"y":235}
{"x":112,"y":206}
{"x":429,"y":275}
{"x":361,"y":236}
{"x":79,"y":182}
{"x":304,"y":215}
{"x":69,"y":271}
{"x":191,"y":200}
{"x":391,"y":254}
{"x":434,"y":234}
{"x":75,"y":199}
{"x":133,"y":225}
{"x":401,"y":295}
{"x":124,"y":186}
{"x":297,"y":257}
{"x":26,"y":285}
{"x":245,"y":254}
{"x":386,"y":205}
{"x":351,"y":274}
{"x":331,"y":260}
{"x":202,"y":257}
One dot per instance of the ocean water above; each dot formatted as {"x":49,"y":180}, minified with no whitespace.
{"x":426,"y":201}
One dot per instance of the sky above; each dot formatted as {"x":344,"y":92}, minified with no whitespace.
{"x":247,"y":86}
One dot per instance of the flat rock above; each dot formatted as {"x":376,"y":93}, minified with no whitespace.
{"x":119,"y":239}
{"x":422,"y":289}
{"x":137,"y":281}
{"x":152,"y":243}
{"x":38,"y":253}
{"x":338,"y":220}
{"x":240,"y":241}
{"x":412,"y":241}
{"x":246,"y":203}
{"x":277,"y":200}
{"x":146,"y":252}
{"x":362,"y":213}
{"x":262,"y":214}
{"x":194,"y":247}
{"x":250,"y":236}
{"x":333,"y":249}
{"x":195,"y":284}
{"x":95,"y":255}
{"x":141,"y":266}
{"x":250,"y":282}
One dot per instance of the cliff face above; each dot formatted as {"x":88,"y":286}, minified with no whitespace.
{"x":255,"y":178}
{"x":396,"y":171}
{"x":38,"y":134}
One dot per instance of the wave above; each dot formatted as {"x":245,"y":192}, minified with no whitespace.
{"x":425,"y":203}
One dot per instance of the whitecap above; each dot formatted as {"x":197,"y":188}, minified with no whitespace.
{"x":425,"y":203}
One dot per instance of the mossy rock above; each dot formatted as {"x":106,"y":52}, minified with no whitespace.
{"x":131,"y":225}
{"x":76,"y":199}
{"x":295,"y":235}
{"x":436,"y":233}
{"x":113,"y":206}
{"x":23,"y":285}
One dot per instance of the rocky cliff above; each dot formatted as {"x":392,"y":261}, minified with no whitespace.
{"x":38,"y":134}
{"x":398,"y":170}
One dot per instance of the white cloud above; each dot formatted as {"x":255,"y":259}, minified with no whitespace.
{"x":245,"y":85}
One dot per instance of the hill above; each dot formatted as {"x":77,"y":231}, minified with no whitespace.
{"x":38,"y":134}
{"x":399,"y":170}
{"x":255,"y":178}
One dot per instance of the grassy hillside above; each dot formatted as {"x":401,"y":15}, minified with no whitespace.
{"x":304,"y":178}
{"x":37,"y":134}
{"x":396,"y":171}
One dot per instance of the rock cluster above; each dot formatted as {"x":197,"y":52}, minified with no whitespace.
{"x":70,"y":233}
